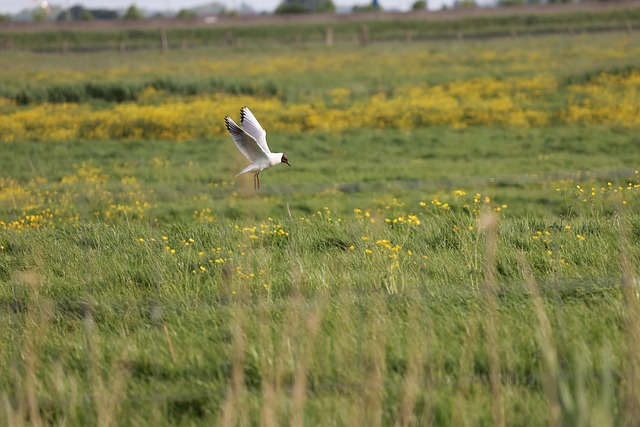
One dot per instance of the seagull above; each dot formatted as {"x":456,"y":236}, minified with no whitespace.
{"x":251,"y":140}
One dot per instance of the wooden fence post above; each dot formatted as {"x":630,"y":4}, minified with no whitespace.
{"x":409,"y":36}
{"x":364,"y":35}
{"x":164,"y":43}
{"x":328,"y":36}
{"x":228,"y":38}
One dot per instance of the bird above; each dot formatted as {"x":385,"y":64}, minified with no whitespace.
{"x":251,"y":140}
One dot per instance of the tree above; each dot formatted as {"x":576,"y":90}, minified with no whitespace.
{"x":87,"y":16}
{"x":305,"y":6}
{"x":39,"y":15}
{"x":419,"y":5}
{"x":104,"y":14}
{"x":74,"y":13}
{"x":133,"y":13}
{"x":79,"y":13}
{"x":374,"y":6}
{"x":186,"y":14}
{"x":465,"y":4}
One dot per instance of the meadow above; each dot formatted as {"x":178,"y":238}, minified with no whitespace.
{"x":311,"y":30}
{"x":456,"y":243}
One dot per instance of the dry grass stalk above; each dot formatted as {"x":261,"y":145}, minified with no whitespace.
{"x":37,"y":321}
{"x":414,"y":377}
{"x":375,"y":365}
{"x":631,"y":381}
{"x":269,"y":374}
{"x":465,"y":373}
{"x":167,"y":337}
{"x":306,"y":342}
{"x":108,"y":398}
{"x":489,"y":226}
{"x":232,"y":408}
{"x":105,"y":397}
{"x":550,"y":373}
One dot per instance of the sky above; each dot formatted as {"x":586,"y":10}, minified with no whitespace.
{"x":14,"y":6}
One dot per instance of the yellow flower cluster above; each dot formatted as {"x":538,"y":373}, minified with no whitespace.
{"x":30,"y":221}
{"x":409,"y":219}
{"x":523,"y":102}
{"x":598,"y":198}
{"x":610,"y":98}
{"x":40,"y":203}
{"x":262,"y":229}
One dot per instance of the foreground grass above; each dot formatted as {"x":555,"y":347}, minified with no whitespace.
{"x":330,"y":319}
{"x":142,"y":288}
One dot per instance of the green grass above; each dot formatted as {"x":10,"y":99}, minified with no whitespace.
{"x":360,"y":335}
{"x":102,"y":295}
{"x":288,"y":34}
{"x":520,"y":168}
{"x":122,"y":77}
{"x":366,"y":285}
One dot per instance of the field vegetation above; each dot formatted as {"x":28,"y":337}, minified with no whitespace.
{"x":456,"y":243}
{"x":302,"y":31}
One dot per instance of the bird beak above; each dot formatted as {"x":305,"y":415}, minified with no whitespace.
{"x":289,"y":164}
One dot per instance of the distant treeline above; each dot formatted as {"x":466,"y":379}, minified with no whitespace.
{"x":370,"y":29}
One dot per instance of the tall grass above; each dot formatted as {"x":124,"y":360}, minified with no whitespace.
{"x":320,"y":336}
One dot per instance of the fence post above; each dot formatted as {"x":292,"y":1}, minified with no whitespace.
{"x":164,"y":43}
{"x":328,"y":36}
{"x":409,"y":36}
{"x":65,"y":46}
{"x":364,"y":35}
{"x":228,"y":38}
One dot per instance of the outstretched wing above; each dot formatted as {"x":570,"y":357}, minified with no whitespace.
{"x":251,"y":126}
{"x":245,"y":142}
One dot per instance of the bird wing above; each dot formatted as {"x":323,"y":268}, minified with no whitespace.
{"x":246,"y":143}
{"x":251,"y":125}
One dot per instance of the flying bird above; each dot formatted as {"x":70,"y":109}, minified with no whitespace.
{"x":251,"y":140}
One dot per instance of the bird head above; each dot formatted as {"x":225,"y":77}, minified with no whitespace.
{"x":285,"y":160}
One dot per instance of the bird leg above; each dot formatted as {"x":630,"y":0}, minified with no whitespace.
{"x":258,"y":178}
{"x":256,"y":181}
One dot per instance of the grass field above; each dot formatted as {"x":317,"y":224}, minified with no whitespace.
{"x":456,"y":243}
{"x":268,"y":32}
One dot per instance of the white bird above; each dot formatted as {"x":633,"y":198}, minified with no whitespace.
{"x":251,"y":140}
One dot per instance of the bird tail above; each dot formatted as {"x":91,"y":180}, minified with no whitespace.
{"x":245,"y":170}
